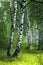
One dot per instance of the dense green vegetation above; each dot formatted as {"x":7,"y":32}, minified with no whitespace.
{"x":26,"y":56}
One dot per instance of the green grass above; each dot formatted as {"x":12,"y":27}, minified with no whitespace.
{"x":25,"y":57}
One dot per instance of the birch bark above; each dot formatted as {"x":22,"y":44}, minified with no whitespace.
{"x":12,"y":28}
{"x":20,"y":28}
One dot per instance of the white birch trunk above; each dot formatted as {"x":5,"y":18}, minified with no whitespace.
{"x":12,"y":28}
{"x":20,"y":29}
{"x":29,"y":33}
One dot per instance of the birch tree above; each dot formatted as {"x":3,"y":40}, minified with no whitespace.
{"x":12,"y":28}
{"x":20,"y":28}
{"x":28,"y":34}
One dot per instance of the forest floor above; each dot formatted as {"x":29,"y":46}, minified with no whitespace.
{"x":25,"y":57}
